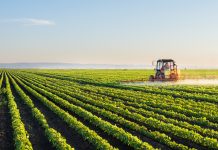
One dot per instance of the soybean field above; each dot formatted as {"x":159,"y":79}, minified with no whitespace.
{"x":90,"y":109}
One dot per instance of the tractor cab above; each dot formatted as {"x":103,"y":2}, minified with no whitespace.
{"x":165,"y":70}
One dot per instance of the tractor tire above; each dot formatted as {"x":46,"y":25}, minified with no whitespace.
{"x":151,"y":78}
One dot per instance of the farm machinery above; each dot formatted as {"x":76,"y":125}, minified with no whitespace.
{"x":165,"y":70}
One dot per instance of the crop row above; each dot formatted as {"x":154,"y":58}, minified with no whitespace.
{"x":180,"y":102}
{"x":194,"y":96}
{"x":1,"y":80}
{"x":19,"y":133}
{"x":208,"y":142}
{"x":160,"y":137}
{"x":154,"y":97}
{"x":151,"y":100}
{"x":107,"y":127}
{"x":89,"y":135}
{"x":145,"y":113}
{"x":53,"y":136}
{"x":199,"y":121}
{"x":174,"y":111}
{"x":198,"y":106}
{"x":202,"y":121}
{"x":197,"y":89}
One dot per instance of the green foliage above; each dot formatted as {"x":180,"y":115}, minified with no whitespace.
{"x":53,"y":136}
{"x":84,"y":131}
{"x":127,"y":113}
{"x":20,"y":134}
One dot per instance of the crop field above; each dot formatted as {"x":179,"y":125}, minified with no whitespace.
{"x":90,"y":109}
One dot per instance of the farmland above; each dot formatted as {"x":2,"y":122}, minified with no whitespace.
{"x":90,"y":109}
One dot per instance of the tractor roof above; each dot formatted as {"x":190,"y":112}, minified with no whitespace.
{"x":165,"y":60}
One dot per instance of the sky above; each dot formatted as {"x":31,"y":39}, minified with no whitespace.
{"x":109,"y":31}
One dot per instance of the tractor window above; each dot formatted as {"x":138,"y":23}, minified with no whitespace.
{"x":166,"y":66}
{"x":159,"y":65}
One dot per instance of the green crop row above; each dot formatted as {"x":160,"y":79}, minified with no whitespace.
{"x":170,"y":128}
{"x":152,"y":99}
{"x":202,"y":121}
{"x":53,"y":136}
{"x":170,"y":100}
{"x":197,"y":89}
{"x":81,"y":96}
{"x":132,"y":99}
{"x":154,"y":103}
{"x":160,"y":137}
{"x":84,"y":131}
{"x":115,"y":88}
{"x":107,"y":127}
{"x":195,"y":106}
{"x":19,"y":133}
{"x":150,"y":105}
{"x":193,"y":96}
{"x":1,"y":80}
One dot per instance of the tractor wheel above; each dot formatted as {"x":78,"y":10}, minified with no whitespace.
{"x":151,"y":78}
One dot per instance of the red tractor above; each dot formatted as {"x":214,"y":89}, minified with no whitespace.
{"x":165,"y":70}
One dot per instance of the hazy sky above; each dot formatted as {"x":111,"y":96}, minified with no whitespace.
{"x":109,"y":31}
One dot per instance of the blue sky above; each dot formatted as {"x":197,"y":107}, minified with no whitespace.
{"x":109,"y":32}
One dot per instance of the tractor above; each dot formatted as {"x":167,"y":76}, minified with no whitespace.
{"x":165,"y":70}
